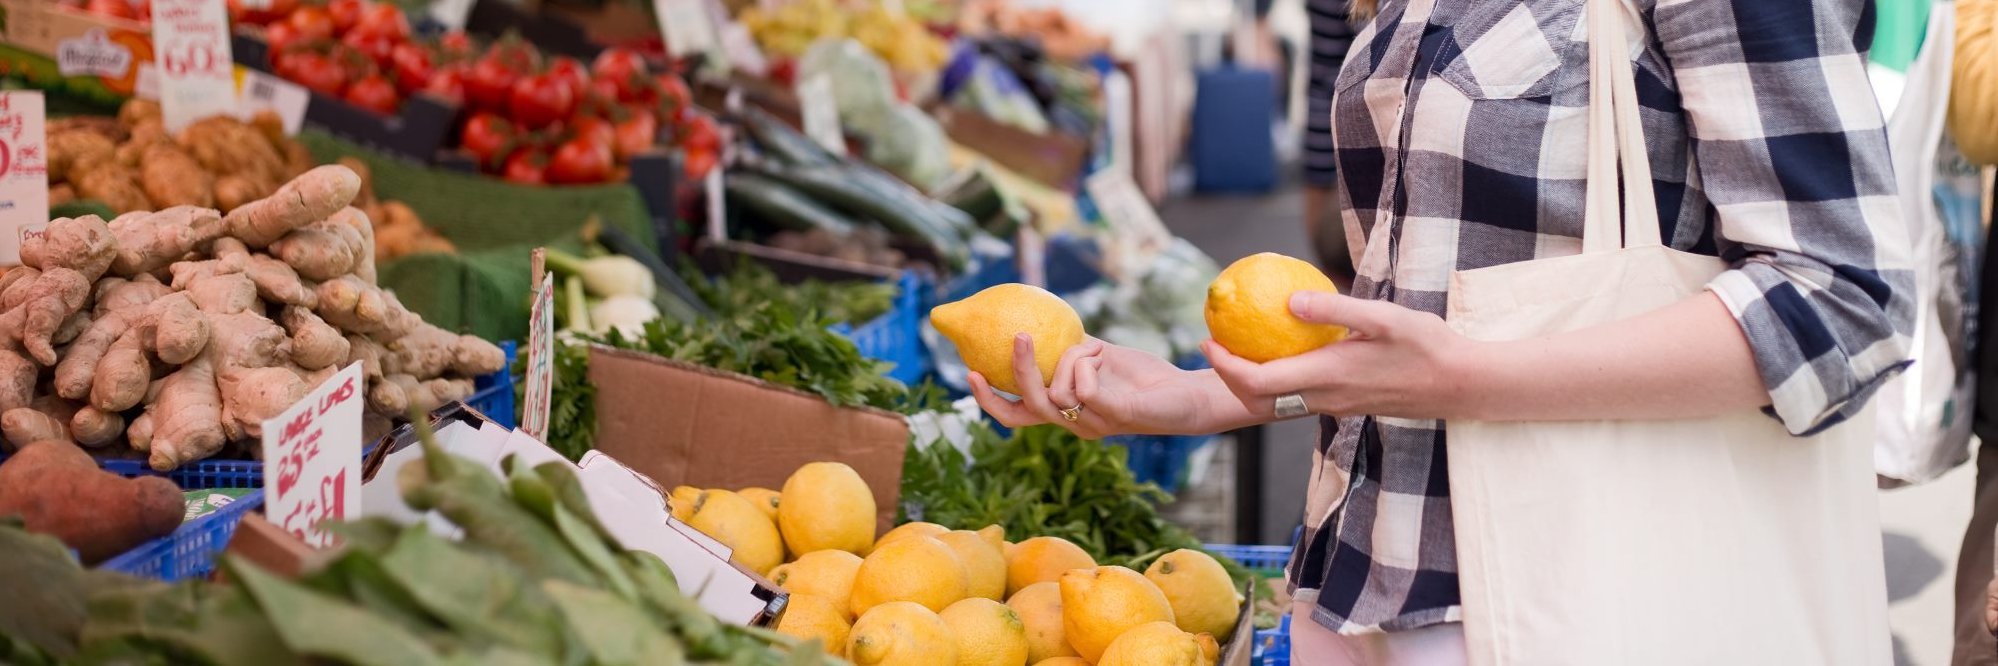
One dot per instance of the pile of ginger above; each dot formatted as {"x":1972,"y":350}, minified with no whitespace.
{"x":182,"y":330}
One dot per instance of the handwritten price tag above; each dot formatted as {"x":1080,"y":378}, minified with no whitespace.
{"x":24,"y":171}
{"x":540,"y":360}
{"x":196,"y":70}
{"x":686,"y":25}
{"x":312,"y":455}
{"x":1135,"y":226}
{"x":821,"y":113}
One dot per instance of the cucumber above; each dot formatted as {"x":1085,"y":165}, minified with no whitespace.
{"x":783,"y":206}
{"x":941,"y":217}
{"x":838,"y":188}
{"x":778,"y":139}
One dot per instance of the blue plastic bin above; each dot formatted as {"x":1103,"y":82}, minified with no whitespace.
{"x":494,"y":394}
{"x":897,"y":335}
{"x":992,"y":270}
{"x":1231,"y":147}
{"x":1272,"y":647}
{"x":192,"y":550}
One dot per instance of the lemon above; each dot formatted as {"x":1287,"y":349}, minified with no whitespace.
{"x":1203,"y":597}
{"x":900,"y":633}
{"x":736,"y":523}
{"x":911,"y":529}
{"x":918,"y":568}
{"x":996,"y":535}
{"x":1039,"y":608}
{"x":827,"y":574}
{"x":983,"y":562}
{"x":1100,"y":604}
{"x":811,"y":616}
{"x":1248,"y":308}
{"x":682,"y":502}
{"x":826,"y":506}
{"x":984,"y":325}
{"x":765,"y":499}
{"x":1043,"y":559}
{"x":1154,"y":644}
{"x":1209,"y":648}
{"x":987,"y":632}
{"x":1062,"y":661}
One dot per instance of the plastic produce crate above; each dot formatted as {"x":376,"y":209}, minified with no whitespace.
{"x":991,"y":271}
{"x":494,"y":396}
{"x":897,"y":335}
{"x":1160,"y":459}
{"x":1272,"y":647}
{"x":191,"y":551}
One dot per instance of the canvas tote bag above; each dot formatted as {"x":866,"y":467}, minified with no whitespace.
{"x":1700,"y":541}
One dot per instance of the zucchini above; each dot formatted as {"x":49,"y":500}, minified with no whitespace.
{"x":783,"y":206}
{"x":839,"y":188}
{"x":787,"y":145}
{"x":939,"y":216}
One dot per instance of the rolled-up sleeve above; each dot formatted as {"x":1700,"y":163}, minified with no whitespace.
{"x":1792,"y":152}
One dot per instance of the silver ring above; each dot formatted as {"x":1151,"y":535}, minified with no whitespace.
{"x":1291,"y":406}
{"x":1072,"y":414}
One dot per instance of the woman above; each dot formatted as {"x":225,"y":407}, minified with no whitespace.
{"x":1460,"y":138}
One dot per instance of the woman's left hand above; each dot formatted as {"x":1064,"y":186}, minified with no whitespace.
{"x":1394,"y":362}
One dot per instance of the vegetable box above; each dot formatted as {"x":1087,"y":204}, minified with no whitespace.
{"x":684,"y":424}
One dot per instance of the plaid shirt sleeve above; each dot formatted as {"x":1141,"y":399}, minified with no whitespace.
{"x":1792,"y":150}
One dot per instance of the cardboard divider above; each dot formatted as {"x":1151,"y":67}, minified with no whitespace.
{"x":684,"y":424}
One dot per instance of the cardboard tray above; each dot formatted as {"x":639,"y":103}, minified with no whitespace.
{"x":684,"y":424}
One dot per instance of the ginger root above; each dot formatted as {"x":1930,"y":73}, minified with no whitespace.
{"x":17,"y":380}
{"x":315,"y":345}
{"x":171,"y":177}
{"x":359,"y":307}
{"x":70,"y":149}
{"x":93,"y":427}
{"x":84,"y":244}
{"x":110,"y":182}
{"x":311,"y":197}
{"x":185,"y":425}
{"x":48,"y":301}
{"x":146,"y":243}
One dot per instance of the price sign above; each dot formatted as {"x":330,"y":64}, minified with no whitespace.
{"x":24,"y":171}
{"x":540,"y":359}
{"x":451,"y":13}
{"x":1135,"y":226}
{"x":821,"y":112}
{"x":197,"y":73}
{"x":263,"y":92}
{"x":312,"y":459}
{"x":716,"y":192}
{"x":686,"y":25}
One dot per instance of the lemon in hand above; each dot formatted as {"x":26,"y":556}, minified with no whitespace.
{"x":984,"y":325}
{"x":1248,"y":308}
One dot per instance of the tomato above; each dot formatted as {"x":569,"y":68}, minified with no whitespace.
{"x":311,"y":22}
{"x":316,"y":71}
{"x":448,"y":83}
{"x":383,"y":20}
{"x":269,"y":12}
{"x":280,"y":35}
{"x":539,"y":101}
{"x":486,"y":136}
{"x":345,"y":14}
{"x":635,"y":135}
{"x":571,"y":73}
{"x":378,"y":49}
{"x":115,"y":8}
{"x":456,"y":44}
{"x":374,"y":93}
{"x":674,"y":98}
{"x":489,"y":83}
{"x":625,"y":70}
{"x":412,"y":67}
{"x":580,"y":160}
{"x":526,"y":167}
{"x":595,"y":129}
{"x":700,"y":134}
{"x":698,"y":163}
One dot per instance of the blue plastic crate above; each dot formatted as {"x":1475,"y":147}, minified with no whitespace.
{"x":192,"y":550}
{"x":494,"y":394}
{"x":1272,"y":646}
{"x":992,"y":270}
{"x":897,"y":335}
{"x":1160,"y":459}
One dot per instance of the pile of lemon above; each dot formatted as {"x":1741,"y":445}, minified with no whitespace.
{"x":923,"y":594}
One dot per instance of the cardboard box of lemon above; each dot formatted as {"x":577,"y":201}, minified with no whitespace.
{"x":922,"y":594}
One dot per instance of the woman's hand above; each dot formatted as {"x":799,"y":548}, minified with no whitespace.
{"x":1120,"y":391}
{"x":1395,"y":362}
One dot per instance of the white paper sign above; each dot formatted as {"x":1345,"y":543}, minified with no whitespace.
{"x":191,"y":46}
{"x":821,"y":112}
{"x":451,"y":13}
{"x":259,"y":91}
{"x":686,"y":26}
{"x":540,"y":360}
{"x":312,"y":459}
{"x":1133,"y":223}
{"x":24,"y":171}
{"x":93,"y":54}
{"x":717,"y":203}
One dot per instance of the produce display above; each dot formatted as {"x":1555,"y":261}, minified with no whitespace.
{"x":923,"y":593}
{"x":1062,"y":36}
{"x":793,"y":27}
{"x":355,"y":50}
{"x":399,"y":232}
{"x":131,"y":163}
{"x":535,"y":580}
{"x":180,"y":331}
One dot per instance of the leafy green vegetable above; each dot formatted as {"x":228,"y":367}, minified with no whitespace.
{"x":750,"y":284}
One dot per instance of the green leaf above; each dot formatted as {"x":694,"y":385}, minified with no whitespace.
{"x":477,"y":596}
{"x":613,"y":631}
{"x":324,"y":626}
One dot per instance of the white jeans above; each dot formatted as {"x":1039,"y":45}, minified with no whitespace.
{"x":1311,"y":644}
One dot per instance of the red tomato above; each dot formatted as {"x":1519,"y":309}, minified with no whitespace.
{"x":486,"y":136}
{"x":571,"y":73}
{"x":448,"y":82}
{"x":456,"y":44}
{"x":374,"y":93}
{"x":271,"y":11}
{"x":116,"y":8}
{"x":580,"y":160}
{"x":316,"y":71}
{"x":595,"y":129}
{"x":489,"y":83}
{"x":280,"y":35}
{"x":635,"y":135}
{"x":698,"y":163}
{"x":345,"y":13}
{"x":624,"y":69}
{"x":311,"y":22}
{"x":539,"y":101}
{"x":700,"y":134}
{"x":384,"y":20}
{"x":674,"y":97}
{"x":380,"y":50}
{"x":412,"y":67}
{"x":526,"y":167}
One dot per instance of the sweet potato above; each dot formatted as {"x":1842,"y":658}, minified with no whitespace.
{"x":58,"y":490}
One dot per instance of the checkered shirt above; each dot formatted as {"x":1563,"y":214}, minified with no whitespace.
{"x":1460,"y":130}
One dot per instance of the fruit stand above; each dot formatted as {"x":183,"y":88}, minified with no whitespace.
{"x":448,"y":344}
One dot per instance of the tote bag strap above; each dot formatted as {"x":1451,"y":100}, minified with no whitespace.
{"x":1616,"y":135}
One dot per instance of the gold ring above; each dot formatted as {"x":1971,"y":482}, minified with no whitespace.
{"x":1073,"y":414}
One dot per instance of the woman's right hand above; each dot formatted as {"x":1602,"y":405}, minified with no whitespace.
{"x":1120,"y":390}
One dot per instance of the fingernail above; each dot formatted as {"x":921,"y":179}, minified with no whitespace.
{"x":1300,"y":303}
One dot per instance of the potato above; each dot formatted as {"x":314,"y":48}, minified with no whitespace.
{"x":58,"y":490}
